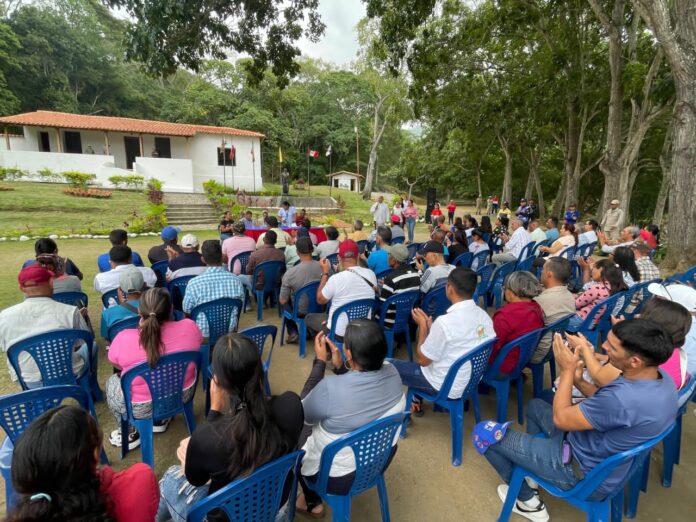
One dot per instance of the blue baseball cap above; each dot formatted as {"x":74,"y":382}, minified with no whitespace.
{"x":170,"y":233}
{"x":488,"y":433}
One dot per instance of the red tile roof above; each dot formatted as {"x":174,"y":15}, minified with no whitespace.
{"x":66,"y":120}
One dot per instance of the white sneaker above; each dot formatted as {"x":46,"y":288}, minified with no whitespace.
{"x":532,"y":509}
{"x":133,"y":439}
{"x":161,"y":426}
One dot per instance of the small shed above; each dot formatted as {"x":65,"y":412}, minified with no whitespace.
{"x":346,"y":180}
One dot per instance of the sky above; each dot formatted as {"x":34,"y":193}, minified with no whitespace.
{"x":339,"y":43}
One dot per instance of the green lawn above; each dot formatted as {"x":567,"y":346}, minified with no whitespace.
{"x":42,"y":209}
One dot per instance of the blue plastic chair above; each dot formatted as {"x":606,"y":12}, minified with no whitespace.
{"x":255,"y":497}
{"x":259,"y":334}
{"x":19,"y":410}
{"x":403,"y":304}
{"x":569,"y":253}
{"x":538,"y":369}
{"x":71,"y":298}
{"x":160,"y":269}
{"x":362,"y":245}
{"x":484,"y":274}
{"x":478,"y":361}
{"x":480,"y":259}
{"x":413,"y":249}
{"x":546,"y":243}
{"x":333,"y":261}
{"x":109,"y":295}
{"x":435,"y":302}
{"x":52,"y":352}
{"x":398,"y":240}
{"x":525,"y":265}
{"x":495,"y":288}
{"x":597,"y":511}
{"x":166,"y":383}
{"x":272,"y":273}
{"x":307,"y":295}
{"x":639,"y":291}
{"x":383,"y":274}
{"x":526,"y":251}
{"x":177,"y":288}
{"x":501,"y":381}
{"x":243,"y":259}
{"x":360,"y":309}
{"x":464,"y":260}
{"x":597,"y":323}
{"x":124,"y":324}
{"x":687,"y":277}
{"x":372,"y":447}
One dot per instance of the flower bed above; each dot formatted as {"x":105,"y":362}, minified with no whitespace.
{"x":87,"y":193}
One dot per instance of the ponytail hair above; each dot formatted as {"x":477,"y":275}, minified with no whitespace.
{"x":54,"y":469}
{"x":253,"y":436}
{"x":573,"y":231}
{"x":612,"y":276}
{"x":155,"y":309}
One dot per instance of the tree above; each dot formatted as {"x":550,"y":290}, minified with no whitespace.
{"x":167,"y":35}
{"x":678,"y":41}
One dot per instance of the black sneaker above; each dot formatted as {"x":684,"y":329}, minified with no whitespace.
{"x":533,"y":509}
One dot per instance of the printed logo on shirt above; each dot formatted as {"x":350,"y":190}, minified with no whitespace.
{"x":481,"y":331}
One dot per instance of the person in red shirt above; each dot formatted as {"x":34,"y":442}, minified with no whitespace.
{"x":61,"y":480}
{"x":519,"y":316}
{"x":451,"y":208}
{"x":435,"y":212}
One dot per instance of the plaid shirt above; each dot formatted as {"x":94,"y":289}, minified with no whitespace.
{"x":213,"y":284}
{"x":647,"y":269}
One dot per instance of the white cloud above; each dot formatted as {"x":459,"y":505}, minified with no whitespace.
{"x":340,"y":41}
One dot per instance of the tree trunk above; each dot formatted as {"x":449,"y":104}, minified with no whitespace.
{"x":378,"y":126}
{"x":530,"y":185}
{"x":665,"y":167}
{"x":679,"y":45}
{"x":507,"y":179}
{"x":540,"y":196}
{"x":559,"y":202}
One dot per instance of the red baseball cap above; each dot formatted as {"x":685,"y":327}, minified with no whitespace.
{"x":348,"y":249}
{"x":34,"y":275}
{"x":395,"y":218}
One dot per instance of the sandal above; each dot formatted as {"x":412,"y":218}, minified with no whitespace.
{"x":309,"y":513}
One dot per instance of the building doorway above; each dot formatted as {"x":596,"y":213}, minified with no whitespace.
{"x":132,"y":150}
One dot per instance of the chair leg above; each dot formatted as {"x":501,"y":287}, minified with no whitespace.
{"x":408,"y":345}
{"x":456,"y":414}
{"x":10,"y":497}
{"x":511,"y":498}
{"x":409,"y":398}
{"x":502,"y":393}
{"x":477,"y":406}
{"x":267,"y":384}
{"x":616,"y":506}
{"x":552,"y":369}
{"x":282,"y":331}
{"x":147,"y":453}
{"x":383,"y":498}
{"x":634,"y":491}
{"x":669,"y":449}
{"x":677,"y":437}
{"x":259,"y":306}
{"x":103,"y":458}
{"x":340,"y":508}
{"x":390,"y":343}
{"x":302,"y":341}
{"x":124,"y":436}
{"x":599,"y":511}
{"x":520,"y":400}
{"x":189,"y":417}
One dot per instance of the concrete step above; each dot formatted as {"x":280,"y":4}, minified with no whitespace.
{"x":189,"y":213}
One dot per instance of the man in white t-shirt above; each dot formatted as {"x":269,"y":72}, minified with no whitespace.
{"x":440,"y":343}
{"x":380,"y":212}
{"x":351,"y":283}
{"x":121,"y":258}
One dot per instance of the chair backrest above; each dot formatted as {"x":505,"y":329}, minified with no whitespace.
{"x":600,"y":315}
{"x":333,"y":261}
{"x":52,"y":351}
{"x":372,"y":446}
{"x":160,"y":268}
{"x":370,"y":245}
{"x":584,"y":250}
{"x":478,"y":357}
{"x":259,"y":334}
{"x":107,"y":296}
{"x":545,"y":242}
{"x":413,"y":249}
{"x":464,"y":260}
{"x":398,"y":240}
{"x":525,"y":264}
{"x":384,"y":273}
{"x":527,"y":250}
{"x":526,"y":344}
{"x":360,"y":309}
{"x":559,"y":325}
{"x":435,"y":302}
{"x":306,"y":296}
{"x":501,"y":273}
{"x":568,"y":253}
{"x":18,"y":410}
{"x":242,"y":258}
{"x":177,"y":288}
{"x":686,"y":393}
{"x":402,"y":303}
{"x":218,"y":314}
{"x":255,"y":497}
{"x":272,"y":272}
{"x":638,"y":291}
{"x":165,"y":382}
{"x":688,"y":277}
{"x":362,"y":245}
{"x":123,"y":324}
{"x":72,"y":298}
{"x":480,"y":259}
{"x":484,"y":274}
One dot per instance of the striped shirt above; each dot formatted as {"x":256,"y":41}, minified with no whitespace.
{"x":213,"y":284}
{"x":400,"y":280}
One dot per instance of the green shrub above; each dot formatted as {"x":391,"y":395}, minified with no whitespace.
{"x":48,"y":175}
{"x":117,"y":181}
{"x":154,"y":220}
{"x":78,"y":179}
{"x":12,"y":173}
{"x":153,"y":191}
{"x":222,"y":198}
{"x":135,"y":182}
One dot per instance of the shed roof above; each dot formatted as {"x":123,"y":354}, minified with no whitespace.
{"x":343,"y":172}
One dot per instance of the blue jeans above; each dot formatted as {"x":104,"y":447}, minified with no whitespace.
{"x":575,"y":322}
{"x":411,"y":225}
{"x":541,"y":456}
{"x":412,"y":376}
{"x":177,"y":496}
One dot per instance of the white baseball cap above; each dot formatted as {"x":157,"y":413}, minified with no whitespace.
{"x":682,"y":294}
{"x":189,"y":241}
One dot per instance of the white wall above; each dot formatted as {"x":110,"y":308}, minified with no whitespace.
{"x":204,"y":156}
{"x":342,"y":181}
{"x":16,"y":143}
{"x":177,"y":174}
{"x":58,"y":162}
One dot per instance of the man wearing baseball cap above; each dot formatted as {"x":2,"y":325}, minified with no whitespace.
{"x":402,"y":278}
{"x":613,"y":220}
{"x":351,"y":283}
{"x":432,"y":253}
{"x":36,"y":314}
{"x":396,"y":229}
{"x":189,"y":262}
{"x":131,"y":285}
{"x":159,"y":252}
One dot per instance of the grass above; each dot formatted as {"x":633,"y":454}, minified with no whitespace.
{"x":42,"y":209}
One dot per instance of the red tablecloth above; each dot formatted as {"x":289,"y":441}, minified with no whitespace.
{"x":256,"y":232}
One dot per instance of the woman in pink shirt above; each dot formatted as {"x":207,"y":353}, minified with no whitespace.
{"x":410,"y":214}
{"x":237,"y":244}
{"x":156,"y":336}
{"x":602,"y":279}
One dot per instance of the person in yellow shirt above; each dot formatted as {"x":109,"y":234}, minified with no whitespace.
{"x":358,"y":234}
{"x":505,"y":210}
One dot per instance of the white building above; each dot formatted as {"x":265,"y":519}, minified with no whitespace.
{"x":346,"y":180}
{"x":183,"y":156}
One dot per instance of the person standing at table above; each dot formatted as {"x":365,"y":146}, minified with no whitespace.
{"x":287,"y":214}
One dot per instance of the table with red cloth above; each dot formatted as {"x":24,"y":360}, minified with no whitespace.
{"x":255,"y":232}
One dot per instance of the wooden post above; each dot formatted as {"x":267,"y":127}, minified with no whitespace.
{"x":188,"y":148}
{"x":142,"y":146}
{"x":7,"y":138}
{"x":60,"y":141}
{"x":106,"y":144}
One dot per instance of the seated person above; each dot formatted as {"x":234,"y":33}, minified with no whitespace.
{"x":287,"y":214}
{"x":402,"y":278}
{"x":589,"y":233}
{"x":300,"y":217}
{"x":460,"y":245}
{"x":120,"y":258}
{"x":432,"y":253}
{"x":116,"y":237}
{"x":131,"y":285}
{"x":307,"y":225}
{"x":282,"y":237}
{"x":519,"y":316}
{"x":225,"y":226}
{"x":157,"y":335}
{"x":358,"y":234}
{"x":295,"y":278}
{"x":248,"y":220}
{"x":513,"y":244}
{"x":378,"y":261}
{"x":160,"y":252}
{"x":568,"y":238}
{"x":244,"y":430}
{"x":292,"y":256}
{"x":441,"y":342}
{"x":606,"y":280}
{"x":350,"y":283}
{"x":478,"y":244}
{"x":235,"y":245}
{"x":268,"y":252}
{"x":330,"y":246}
{"x":48,"y":246}
{"x":62,"y":282}
{"x":626,"y":238}
{"x":552,"y":232}
{"x":38,"y":313}
{"x":536,"y":233}
{"x":63,"y":480}
{"x":625,"y":260}
{"x":188,"y":263}
{"x":631,"y":410}
{"x":339,"y":405}
{"x":397,"y":230}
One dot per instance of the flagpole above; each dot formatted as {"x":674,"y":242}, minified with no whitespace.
{"x":308,"y":170}
{"x":224,"y":162}
{"x":232,"y":160}
{"x":253,"y":166}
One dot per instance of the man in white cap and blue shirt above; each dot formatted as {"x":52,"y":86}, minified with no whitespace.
{"x":188,"y":263}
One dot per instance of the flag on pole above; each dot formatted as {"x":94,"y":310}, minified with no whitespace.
{"x":253,"y":156}
{"x":313,"y":153}
{"x":233,"y":153}
{"x":280,"y":155}
{"x":328,"y":151}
